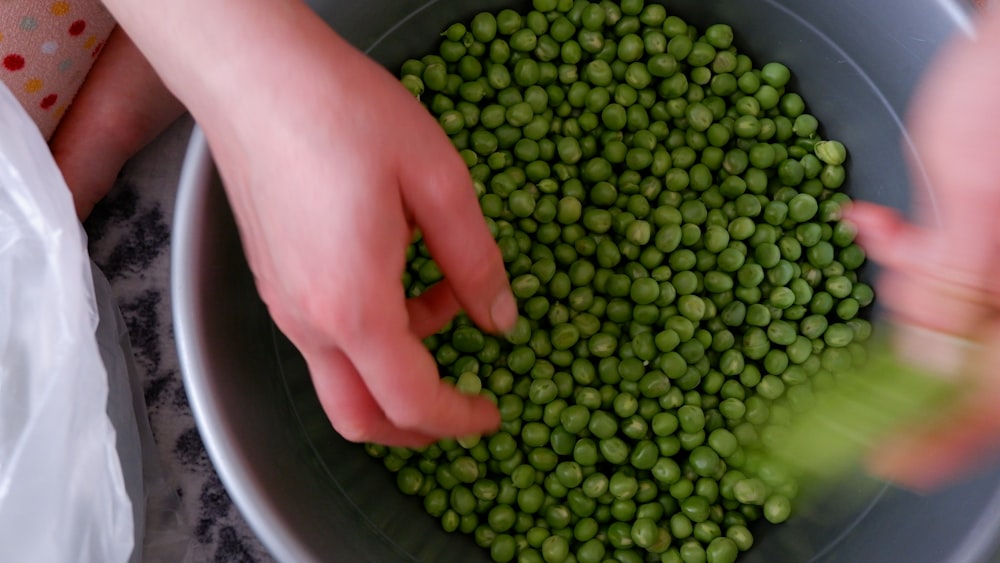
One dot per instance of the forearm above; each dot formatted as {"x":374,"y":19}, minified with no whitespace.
{"x":206,"y":51}
{"x":123,"y":92}
{"x":122,"y":106}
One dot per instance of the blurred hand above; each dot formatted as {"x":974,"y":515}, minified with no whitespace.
{"x":941,"y":271}
{"x":329,"y":168}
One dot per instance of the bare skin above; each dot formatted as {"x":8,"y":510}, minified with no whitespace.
{"x":329,"y":168}
{"x":330,"y":164}
{"x":941,"y":270}
{"x":120,"y":108}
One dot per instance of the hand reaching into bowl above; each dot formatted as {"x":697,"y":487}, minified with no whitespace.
{"x":941,"y":271}
{"x":330,"y":165}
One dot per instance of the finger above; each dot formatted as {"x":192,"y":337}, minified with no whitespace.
{"x":889,"y":240}
{"x":924,"y":284}
{"x":432,"y":309}
{"x":373,"y":330}
{"x":438,"y":191}
{"x":350,"y":406}
{"x":404,"y":379}
{"x":879,"y":229}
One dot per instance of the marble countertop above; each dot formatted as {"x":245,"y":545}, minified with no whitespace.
{"x":129,"y":238}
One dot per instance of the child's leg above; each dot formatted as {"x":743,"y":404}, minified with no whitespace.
{"x":120,"y":108}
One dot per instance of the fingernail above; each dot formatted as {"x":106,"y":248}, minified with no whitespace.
{"x":503,"y":312}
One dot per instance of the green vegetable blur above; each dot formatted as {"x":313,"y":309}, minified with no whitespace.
{"x":668,"y":212}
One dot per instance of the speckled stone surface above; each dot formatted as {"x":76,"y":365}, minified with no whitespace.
{"x":130,"y":241}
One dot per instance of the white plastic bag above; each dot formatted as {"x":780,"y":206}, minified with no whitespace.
{"x":62,"y":490}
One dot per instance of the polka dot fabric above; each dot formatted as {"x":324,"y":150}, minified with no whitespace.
{"x":46,"y":50}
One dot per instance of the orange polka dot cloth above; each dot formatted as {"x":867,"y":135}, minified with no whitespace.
{"x":46,"y":50}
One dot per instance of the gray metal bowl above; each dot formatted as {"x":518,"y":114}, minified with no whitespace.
{"x":312,"y":496}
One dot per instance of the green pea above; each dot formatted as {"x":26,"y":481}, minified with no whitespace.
{"x":462,"y":500}
{"x":851,"y":257}
{"x":831,"y":152}
{"x":781,"y":298}
{"x":741,"y":228}
{"x":654,"y":384}
{"x":838,"y":335}
{"x":781,"y":332}
{"x":777,"y":509}
{"x":719,"y":35}
{"x":750,"y":491}
{"x":775,"y":74}
{"x":839,"y":286}
{"x":614,"y":450}
{"x":747,"y":205}
{"x":638,"y":232}
{"x":691,"y":418}
{"x":644,"y":532}
{"x":863,"y":294}
{"x":630,"y":48}
{"x":521,"y":359}
{"x":702,"y":53}
{"x":620,"y":535}
{"x":770,"y":387}
{"x":602,"y":425}
{"x":740,"y":536}
{"x":692,"y":307}
{"x":802,"y":207}
{"x":409,"y":480}
{"x":704,"y":460}
{"x":591,"y":551}
{"x":767,"y":96}
{"x":747,"y":127}
{"x":695,"y":508}
{"x":644,"y":455}
{"x":595,"y":485}
{"x":555,"y":549}
{"x":722,"y":550}
{"x":791,"y":173}
{"x":645,"y":290}
{"x":704,"y":532}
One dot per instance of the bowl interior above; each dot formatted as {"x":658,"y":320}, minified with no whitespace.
{"x":312,"y":496}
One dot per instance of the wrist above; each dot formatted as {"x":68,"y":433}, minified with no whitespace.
{"x":227,"y":55}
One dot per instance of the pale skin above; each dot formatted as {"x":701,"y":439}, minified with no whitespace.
{"x":123,"y":104}
{"x":330,"y":168}
{"x":943,"y":276}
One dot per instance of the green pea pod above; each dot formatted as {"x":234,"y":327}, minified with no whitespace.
{"x":828,"y":440}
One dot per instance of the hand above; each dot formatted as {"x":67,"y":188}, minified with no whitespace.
{"x":330,"y":164}
{"x":327,"y":188}
{"x":941,"y":273}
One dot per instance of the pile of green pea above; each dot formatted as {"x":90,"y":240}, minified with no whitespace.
{"x":669,"y":215}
